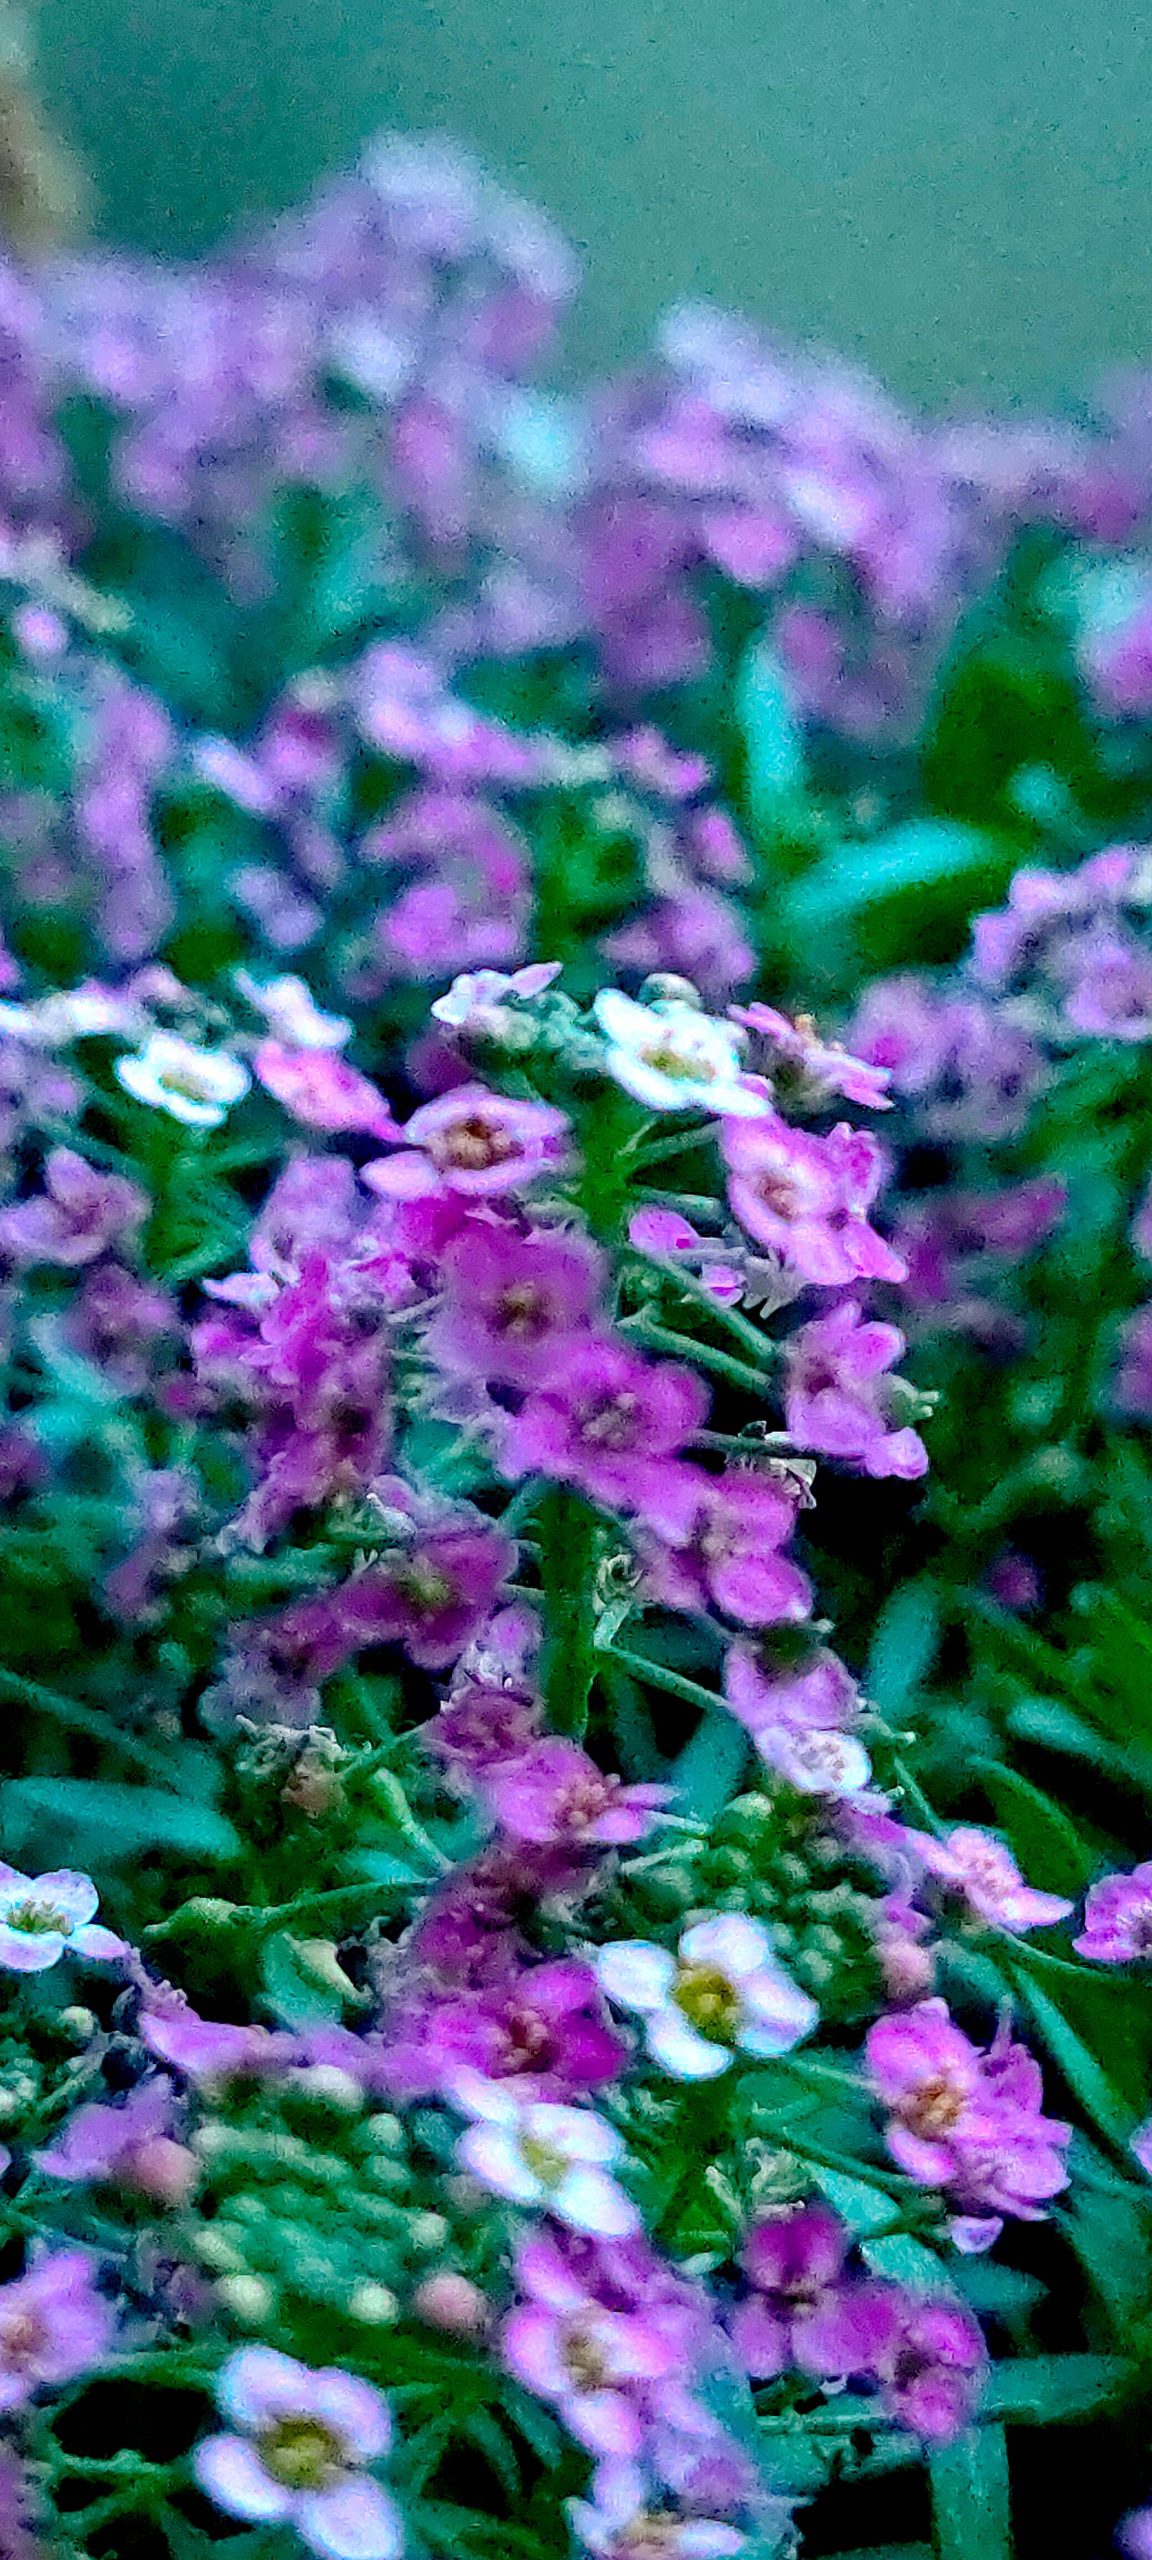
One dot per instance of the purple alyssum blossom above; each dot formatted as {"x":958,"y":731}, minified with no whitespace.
{"x":715,"y":1541}
{"x":800,"y":1720}
{"x":807,"y":1071}
{"x":553,"y":1792}
{"x":296,"y":2452}
{"x":608,"y":1425}
{"x":514,"y":1301}
{"x":322,"y":1090}
{"x":54,"y":2324}
{"x":80,"y":1214}
{"x":966,"y":2119}
{"x":979,"y":1868}
{"x":838,"y":1396}
{"x":807,"y":1197}
{"x":131,"y":2144}
{"x":1118,"y":1919}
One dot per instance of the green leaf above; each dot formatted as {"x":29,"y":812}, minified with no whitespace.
{"x":1045,"y":2391}
{"x":1051,"y":1850}
{"x":1081,"y":2066}
{"x":926,"y":853}
{"x":971,"y":2510}
{"x":114,"y":1822}
{"x":903,"y":1646}
{"x":773,"y":739}
{"x":710,"y":1767}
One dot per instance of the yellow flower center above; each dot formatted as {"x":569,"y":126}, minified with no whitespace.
{"x":300,"y":2452}
{"x":709,"y":2000}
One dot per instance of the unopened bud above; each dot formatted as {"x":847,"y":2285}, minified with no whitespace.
{"x":374,"y":2304}
{"x":427,"y":2231}
{"x":248,"y":2298}
{"x":450,"y":2302}
{"x":165,"y":2170}
{"x":323,"y":2084}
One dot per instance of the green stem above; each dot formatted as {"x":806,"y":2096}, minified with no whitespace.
{"x":570,"y":1541}
{"x":658,"y":1677}
{"x":701,"y":1354}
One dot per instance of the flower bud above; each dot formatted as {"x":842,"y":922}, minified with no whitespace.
{"x":375,"y":2304}
{"x":450,"y":2301}
{"x":248,"y":2298}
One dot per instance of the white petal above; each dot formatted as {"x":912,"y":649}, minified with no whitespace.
{"x":494,"y":2157}
{"x":231,"y":2473}
{"x":621,"y":1019}
{"x":259,"y":2383}
{"x":494,"y":2101}
{"x":353,"y":2520}
{"x":590,"y":2201}
{"x":734,"y":1944}
{"x":635,"y":1974}
{"x":675,"y":2044}
{"x":779,"y":2018}
{"x":574,"y":2133}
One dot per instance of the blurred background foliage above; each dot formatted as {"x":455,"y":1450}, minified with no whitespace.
{"x":957,"y":195}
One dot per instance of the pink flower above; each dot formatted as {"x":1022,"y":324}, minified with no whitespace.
{"x":296,"y":2452}
{"x":976,"y":1865}
{"x":1118,"y":1919}
{"x":554,"y":1792}
{"x":809,"y":1070}
{"x":322,"y":1090}
{"x":967,"y":2120}
{"x":594,"y":2360}
{"x":53,"y":2325}
{"x":798,"y":1719}
{"x":513,"y":1303}
{"x":806,"y":1197}
{"x":609,"y":1424}
{"x":482,"y":1143}
{"x":837,"y":1397}
{"x":541,"y":2025}
{"x":715,"y":1541}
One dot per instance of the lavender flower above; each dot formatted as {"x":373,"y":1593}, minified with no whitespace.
{"x":557,"y":2158}
{"x":1118,"y":1919}
{"x":53,"y":2325}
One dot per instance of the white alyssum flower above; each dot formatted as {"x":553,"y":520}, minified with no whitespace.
{"x":556,"y":2158}
{"x":673,"y":1057}
{"x":73,"y":1013}
{"x":818,"y":1760}
{"x":198,"y":1086}
{"x":292,"y":1013}
{"x":723,"y":1991}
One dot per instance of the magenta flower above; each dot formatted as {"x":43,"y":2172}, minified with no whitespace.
{"x":1131,"y":1385}
{"x":715,"y":1542}
{"x":513,"y":1303}
{"x":934,"y":2367}
{"x":667,"y":1237}
{"x":299,"y":2440}
{"x":322,"y":1091}
{"x":45,"y":1917}
{"x":977,"y":1866}
{"x":53,"y":2325}
{"x":78,"y":1216}
{"x":807,"y":1198}
{"x":799,"y":2314}
{"x":967,"y":2120}
{"x":433,"y":1593}
{"x":554,"y":1792}
{"x":838,"y":1398}
{"x":1118,"y":1919}
{"x":598,"y":2329}
{"x":482,"y":1143}
{"x":543,"y":2027}
{"x":608,"y":1425}
{"x":798,"y":1720}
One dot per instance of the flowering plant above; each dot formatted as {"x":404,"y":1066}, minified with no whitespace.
{"x":532,"y":1470}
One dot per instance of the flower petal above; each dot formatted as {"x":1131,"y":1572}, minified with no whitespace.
{"x":230,"y":2472}
{"x":635,"y":1974}
{"x":677,"y":2047}
{"x":353,"y":2520}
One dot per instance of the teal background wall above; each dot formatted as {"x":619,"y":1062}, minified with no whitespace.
{"x":958,"y":190}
